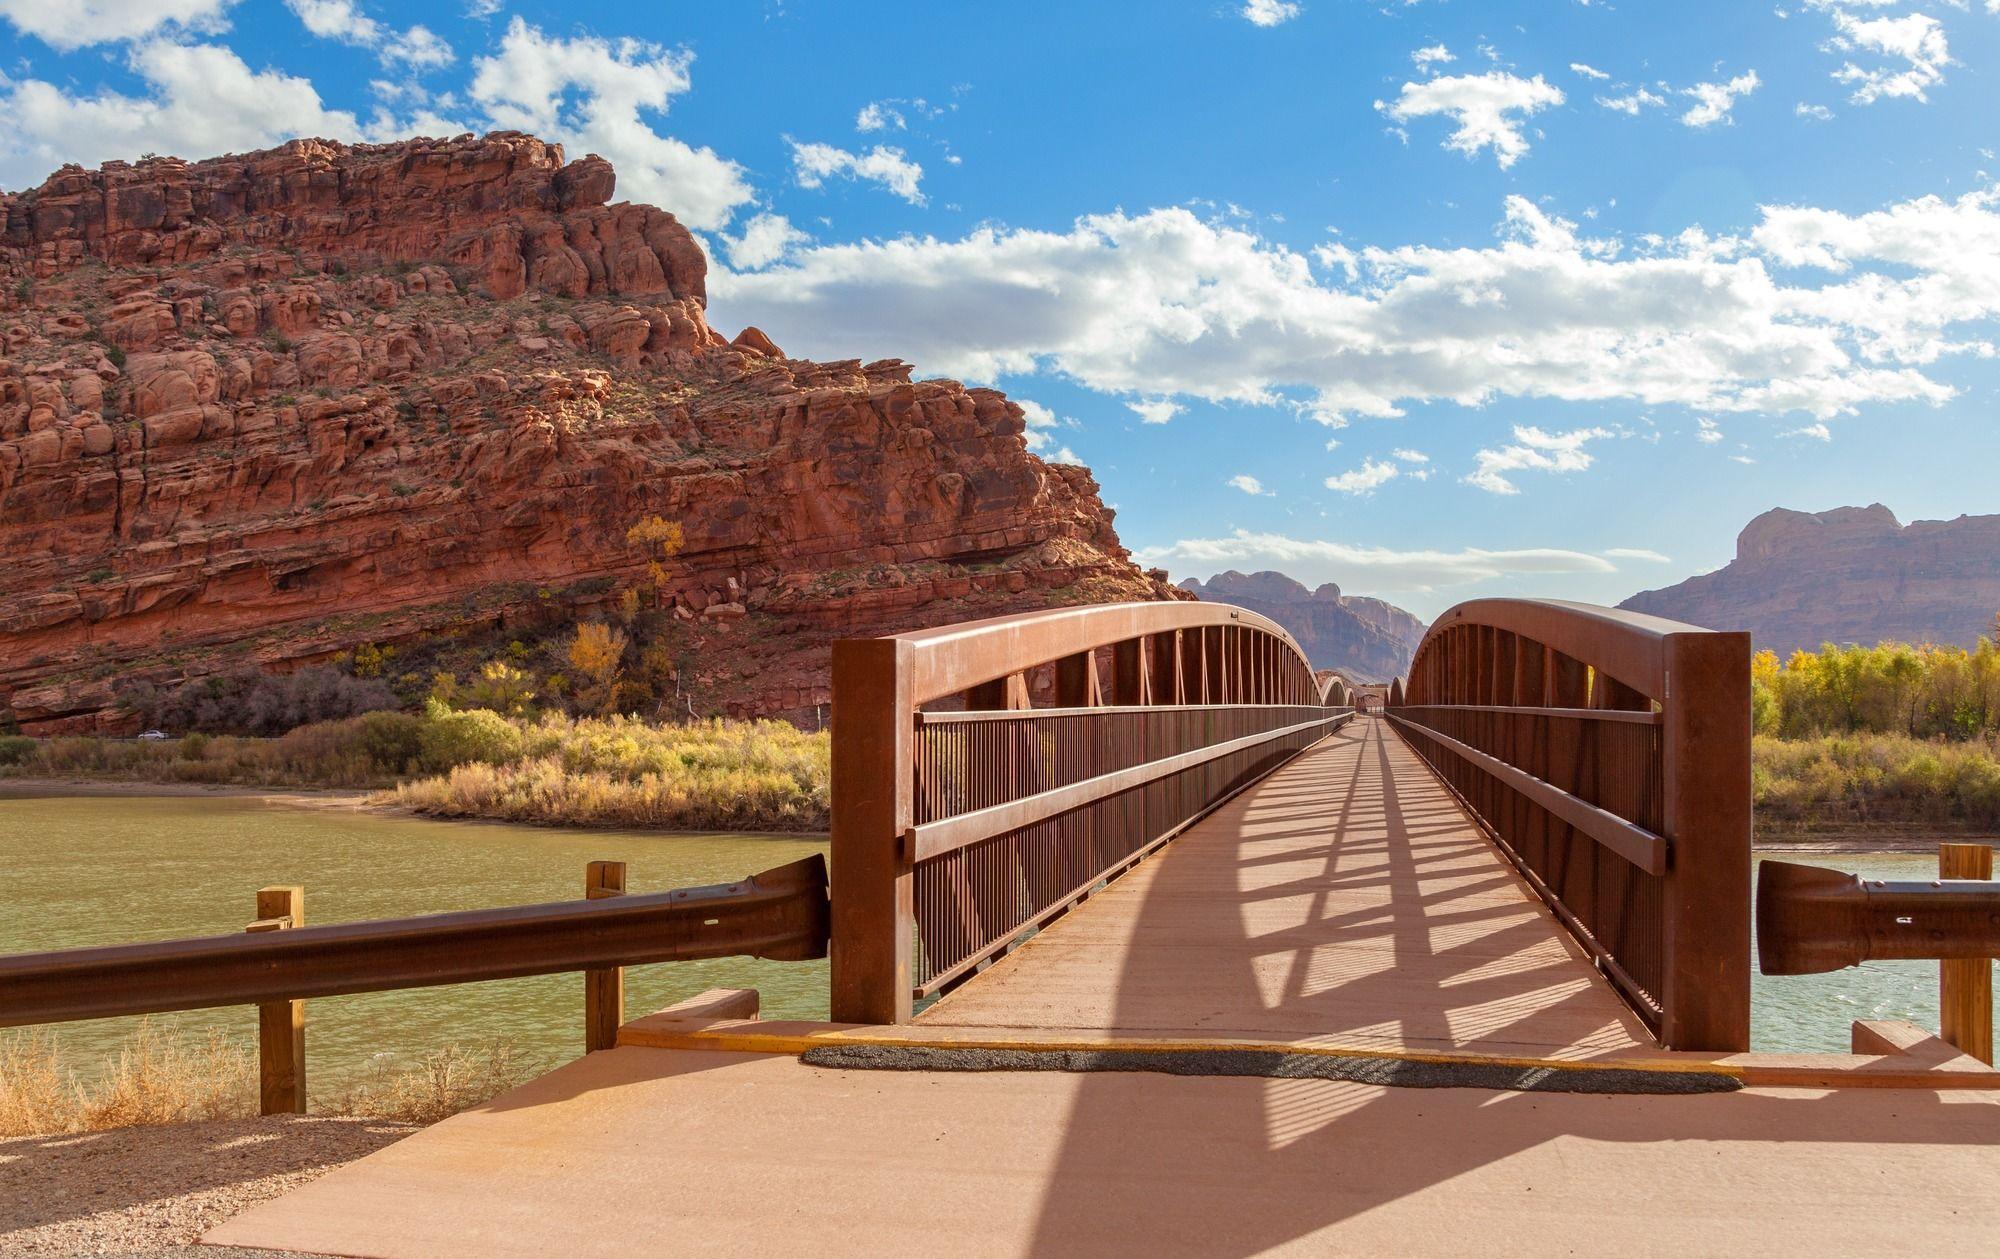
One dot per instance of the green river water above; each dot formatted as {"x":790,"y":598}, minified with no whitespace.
{"x":79,"y":870}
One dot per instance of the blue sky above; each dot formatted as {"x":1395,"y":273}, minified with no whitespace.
{"x":1433,"y":299}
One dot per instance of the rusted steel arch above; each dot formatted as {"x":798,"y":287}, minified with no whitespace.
{"x":1335,"y":694}
{"x":1396,"y":693}
{"x":1629,"y":647}
{"x":1608,"y":753}
{"x":955,"y":658}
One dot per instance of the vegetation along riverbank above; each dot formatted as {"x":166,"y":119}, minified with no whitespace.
{"x":470,"y":763}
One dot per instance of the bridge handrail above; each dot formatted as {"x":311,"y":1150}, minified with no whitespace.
{"x":964,"y":816}
{"x":1608,"y":753}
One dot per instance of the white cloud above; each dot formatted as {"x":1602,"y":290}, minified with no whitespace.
{"x":879,"y":116}
{"x":1637,"y":553}
{"x":481,"y":9}
{"x":1532,"y":451}
{"x":1040,"y":425}
{"x":590,"y":94}
{"x":1371,"y":475}
{"x":1814,"y":113}
{"x":1916,"y":39}
{"x":68,"y":24}
{"x":1744,"y":459}
{"x":1363,"y":567}
{"x":1247,"y":483}
{"x":764,"y":240}
{"x":814,"y":164}
{"x":1487,"y":108}
{"x":1713,"y":101}
{"x":1410,"y":456}
{"x":1588,"y":72}
{"x":1432,"y":55}
{"x":1707,"y":431}
{"x":1818,"y":432}
{"x":342,"y":20}
{"x":1634,"y":101}
{"x":1156,"y":411}
{"x":1164,"y":304}
{"x":199,"y":99}
{"x":1269,"y":12}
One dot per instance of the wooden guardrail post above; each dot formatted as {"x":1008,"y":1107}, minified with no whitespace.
{"x":281,"y":1025}
{"x":603,"y":990}
{"x":874,"y":917}
{"x":1965,"y":985}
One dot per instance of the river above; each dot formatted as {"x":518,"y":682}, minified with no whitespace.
{"x":79,"y":870}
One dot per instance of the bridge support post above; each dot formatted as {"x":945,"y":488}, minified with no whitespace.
{"x":873,"y":755}
{"x":1965,"y":985}
{"x":1705,"y":995}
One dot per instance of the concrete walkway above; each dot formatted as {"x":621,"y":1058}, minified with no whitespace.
{"x":1346,"y":899}
{"x":654,"y":1151}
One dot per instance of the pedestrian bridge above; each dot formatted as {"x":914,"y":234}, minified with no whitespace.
{"x":1144,"y":940}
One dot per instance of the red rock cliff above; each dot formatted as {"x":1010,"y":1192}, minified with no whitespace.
{"x":268,"y":407}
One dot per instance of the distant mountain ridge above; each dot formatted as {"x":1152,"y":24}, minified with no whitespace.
{"x":1366,"y":639}
{"x":1850,"y":575}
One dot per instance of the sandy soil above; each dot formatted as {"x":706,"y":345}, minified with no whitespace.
{"x":153,"y":1191}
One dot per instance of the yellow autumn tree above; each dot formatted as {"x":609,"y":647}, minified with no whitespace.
{"x":659,"y":540}
{"x":595,"y":653}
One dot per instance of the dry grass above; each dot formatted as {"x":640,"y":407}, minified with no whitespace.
{"x":163,"y":1076}
{"x":714,"y":775}
{"x":1862,"y":780}
{"x":158,"y":1076}
{"x":440,"y":1085}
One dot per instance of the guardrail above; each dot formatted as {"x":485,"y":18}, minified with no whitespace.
{"x":781,"y":914}
{"x":1608,"y":754}
{"x":965,"y":817}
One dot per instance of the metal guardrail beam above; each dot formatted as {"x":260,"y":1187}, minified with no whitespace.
{"x":780,"y":914}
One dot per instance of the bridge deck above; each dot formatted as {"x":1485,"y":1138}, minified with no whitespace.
{"x":1345,"y":899}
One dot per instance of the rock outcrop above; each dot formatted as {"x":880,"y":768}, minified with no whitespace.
{"x":1364,"y":639}
{"x":269,"y":407}
{"x":1850,"y":575}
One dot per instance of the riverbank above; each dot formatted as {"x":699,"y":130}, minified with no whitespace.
{"x":614,"y":772}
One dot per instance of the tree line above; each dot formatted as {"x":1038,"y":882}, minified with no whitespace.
{"x":1922,"y":691}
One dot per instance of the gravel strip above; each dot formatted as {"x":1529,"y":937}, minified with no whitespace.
{"x":152,"y":1191}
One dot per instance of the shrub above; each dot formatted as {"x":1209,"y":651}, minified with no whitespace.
{"x":16,"y":749}
{"x":254,"y":702}
{"x":453,"y":737}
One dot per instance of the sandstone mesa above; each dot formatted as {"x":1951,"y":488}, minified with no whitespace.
{"x":271,"y":406}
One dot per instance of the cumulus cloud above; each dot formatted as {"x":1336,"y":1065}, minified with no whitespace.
{"x":814,"y":164}
{"x":1269,"y":12}
{"x":1588,"y":72}
{"x":1166,"y":304}
{"x":593,"y":95}
{"x":880,"y":116}
{"x":1917,"y":40}
{"x":198,"y":99}
{"x":1487,"y":108}
{"x":1410,"y":456}
{"x":1432,"y":55}
{"x":1713,"y":101}
{"x":764,"y":240}
{"x":1371,"y":475}
{"x":1155,"y":411}
{"x":1247,"y":483}
{"x":68,"y":24}
{"x":1634,"y":101}
{"x":1363,"y":567}
{"x":418,"y":47}
{"x":1707,"y":431}
{"x":1533,"y":450}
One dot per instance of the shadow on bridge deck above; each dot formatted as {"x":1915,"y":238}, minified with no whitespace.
{"x":1345,"y":899}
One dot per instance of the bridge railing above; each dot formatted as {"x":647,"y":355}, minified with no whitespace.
{"x":965,"y":817}
{"x":1608,"y":753}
